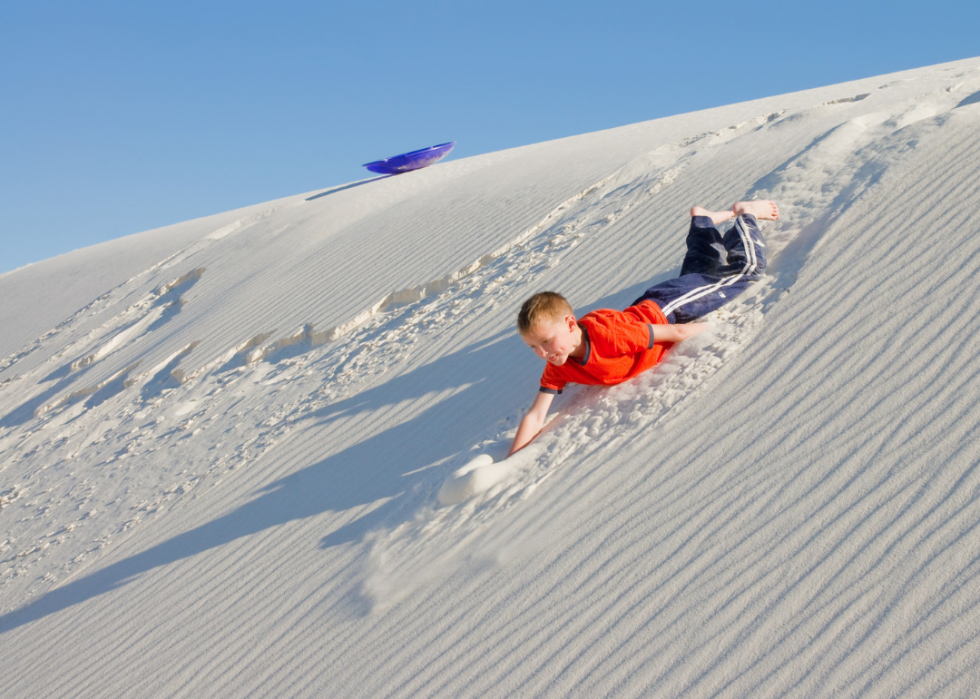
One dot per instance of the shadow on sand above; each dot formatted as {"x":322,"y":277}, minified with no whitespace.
{"x":380,"y":467}
{"x":347,"y":186}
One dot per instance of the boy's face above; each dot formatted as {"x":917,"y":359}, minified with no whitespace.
{"x":553,"y":341}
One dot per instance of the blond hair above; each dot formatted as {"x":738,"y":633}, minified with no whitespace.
{"x":545,"y":305}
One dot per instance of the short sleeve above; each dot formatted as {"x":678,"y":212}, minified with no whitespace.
{"x":551,"y":382}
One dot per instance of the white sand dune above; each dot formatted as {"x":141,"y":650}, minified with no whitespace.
{"x":222,"y":442}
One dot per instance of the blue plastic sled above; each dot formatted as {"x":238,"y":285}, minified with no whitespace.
{"x":411,"y":161}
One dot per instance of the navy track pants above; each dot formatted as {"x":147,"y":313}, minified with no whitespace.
{"x":716,"y":269}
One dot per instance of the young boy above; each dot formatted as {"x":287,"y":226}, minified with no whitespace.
{"x":608,"y":347}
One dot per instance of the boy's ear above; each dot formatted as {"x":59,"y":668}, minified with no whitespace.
{"x":570,"y":322}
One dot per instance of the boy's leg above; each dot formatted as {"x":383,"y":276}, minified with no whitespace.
{"x":744,"y":243}
{"x":706,"y":249}
{"x":745,"y":248}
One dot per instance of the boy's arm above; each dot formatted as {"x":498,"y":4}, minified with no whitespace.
{"x":678,"y":333}
{"x":532,"y":422}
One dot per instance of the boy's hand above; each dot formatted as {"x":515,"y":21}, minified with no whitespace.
{"x":532,"y":422}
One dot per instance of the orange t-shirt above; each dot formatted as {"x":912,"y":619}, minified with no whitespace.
{"x":618,"y":346}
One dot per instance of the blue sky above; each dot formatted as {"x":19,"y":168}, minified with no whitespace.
{"x":119,"y":117}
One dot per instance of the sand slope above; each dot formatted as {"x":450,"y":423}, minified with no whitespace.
{"x":221,"y":442}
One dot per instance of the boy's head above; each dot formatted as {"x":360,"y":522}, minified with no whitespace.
{"x":547,"y":324}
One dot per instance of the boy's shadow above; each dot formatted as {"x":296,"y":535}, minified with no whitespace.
{"x":383,"y":466}
{"x":490,"y":377}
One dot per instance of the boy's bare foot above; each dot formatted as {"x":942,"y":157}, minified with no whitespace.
{"x":762,"y":209}
{"x":715,"y":216}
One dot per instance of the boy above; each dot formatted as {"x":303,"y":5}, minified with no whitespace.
{"x":608,"y":347}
